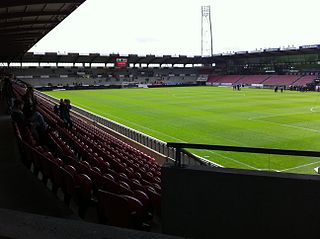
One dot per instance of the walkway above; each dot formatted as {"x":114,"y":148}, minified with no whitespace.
{"x":19,"y":188}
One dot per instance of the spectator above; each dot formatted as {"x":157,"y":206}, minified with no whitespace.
{"x":56,"y":109}
{"x":61,"y":108}
{"x":17,"y":114}
{"x":39,"y":128}
{"x":30,"y":103}
{"x":66,"y":115}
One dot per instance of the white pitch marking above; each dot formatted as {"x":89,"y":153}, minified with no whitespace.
{"x":236,"y":161}
{"x":286,"y":125}
{"x":301,"y":166}
{"x":295,"y":126}
{"x":226,"y":157}
{"x":313,"y":109}
{"x":274,"y":115}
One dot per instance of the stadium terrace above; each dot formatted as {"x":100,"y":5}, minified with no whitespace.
{"x":132,"y":146}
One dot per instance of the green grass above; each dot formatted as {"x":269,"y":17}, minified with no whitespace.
{"x":211,"y":115}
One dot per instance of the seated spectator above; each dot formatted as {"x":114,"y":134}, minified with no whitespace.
{"x":39,"y":128}
{"x":30,"y":103}
{"x":18,"y":117}
{"x":17,"y":114}
{"x":56,"y":109}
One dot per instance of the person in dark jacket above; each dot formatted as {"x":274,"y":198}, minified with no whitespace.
{"x":56,"y":109}
{"x":61,"y":108}
{"x":30,"y":102}
{"x":66,"y":113}
{"x":17,"y":114}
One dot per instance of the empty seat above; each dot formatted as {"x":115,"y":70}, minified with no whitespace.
{"x":120,"y":211}
{"x":84,"y":193}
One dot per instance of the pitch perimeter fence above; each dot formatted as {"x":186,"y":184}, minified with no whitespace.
{"x":155,"y":144}
{"x":181,"y":148}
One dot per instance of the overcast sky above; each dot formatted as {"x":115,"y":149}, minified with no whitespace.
{"x":173,"y":27}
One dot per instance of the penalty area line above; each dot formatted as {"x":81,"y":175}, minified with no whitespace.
{"x":301,"y":166}
{"x":183,"y":141}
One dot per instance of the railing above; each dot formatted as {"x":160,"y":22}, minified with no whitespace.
{"x":144,"y":139}
{"x":180,"y":148}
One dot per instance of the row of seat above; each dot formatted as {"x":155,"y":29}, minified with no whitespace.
{"x":92,"y":168}
{"x":297,"y":80}
{"x":119,"y":150}
{"x":77,"y":185}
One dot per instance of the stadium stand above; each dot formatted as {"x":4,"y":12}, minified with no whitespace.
{"x":98,"y":172}
{"x":303,"y":81}
{"x":87,"y":163}
{"x":253,"y":79}
{"x":77,"y":76}
{"x":265,"y":80}
{"x":281,"y":80}
{"x":232,"y":79}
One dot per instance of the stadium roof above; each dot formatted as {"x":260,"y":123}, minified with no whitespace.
{"x":98,"y":58}
{"x":166,"y":59}
{"x":24,"y":22}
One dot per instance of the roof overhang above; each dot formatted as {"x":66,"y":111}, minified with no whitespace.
{"x":24,"y":22}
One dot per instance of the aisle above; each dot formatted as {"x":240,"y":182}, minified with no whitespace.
{"x":19,"y":188}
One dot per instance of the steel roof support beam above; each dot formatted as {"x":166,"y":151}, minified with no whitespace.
{"x":27,"y":23}
{"x":12,"y":15}
{"x":14,"y":3}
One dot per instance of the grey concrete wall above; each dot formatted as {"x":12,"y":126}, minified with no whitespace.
{"x":218,"y":203}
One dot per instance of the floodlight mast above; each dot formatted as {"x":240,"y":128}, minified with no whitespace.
{"x":206,"y":31}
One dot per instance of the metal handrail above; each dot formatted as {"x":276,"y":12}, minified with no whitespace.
{"x":180,"y":147}
{"x":144,"y":139}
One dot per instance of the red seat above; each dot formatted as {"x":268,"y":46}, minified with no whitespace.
{"x":56,"y":174}
{"x":136,"y":185}
{"x":118,"y":211}
{"x":68,"y":182}
{"x":84,"y":193}
{"x":143,"y":198}
{"x":45,"y":168}
{"x":109,"y":184}
{"x":84,"y":167}
{"x":96,"y":177}
{"x":155,"y":199}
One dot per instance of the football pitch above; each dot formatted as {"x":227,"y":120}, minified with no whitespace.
{"x":216,"y":115}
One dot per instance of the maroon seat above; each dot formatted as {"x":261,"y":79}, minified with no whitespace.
{"x":96,"y":177}
{"x":135,"y":206}
{"x":109,"y":184}
{"x":93,"y":161}
{"x":117,"y":210}
{"x":84,"y":193}
{"x":68,"y":182}
{"x":56,"y":174}
{"x":137,"y":185}
{"x":155,"y":199}
{"x":84,"y":167}
{"x":103,"y":165}
{"x":143,"y":198}
{"x":124,"y":188}
{"x":45,"y":168}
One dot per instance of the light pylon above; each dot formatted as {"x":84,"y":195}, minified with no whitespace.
{"x":206,"y":32}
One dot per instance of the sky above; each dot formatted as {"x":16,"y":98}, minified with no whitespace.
{"x":173,"y":27}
